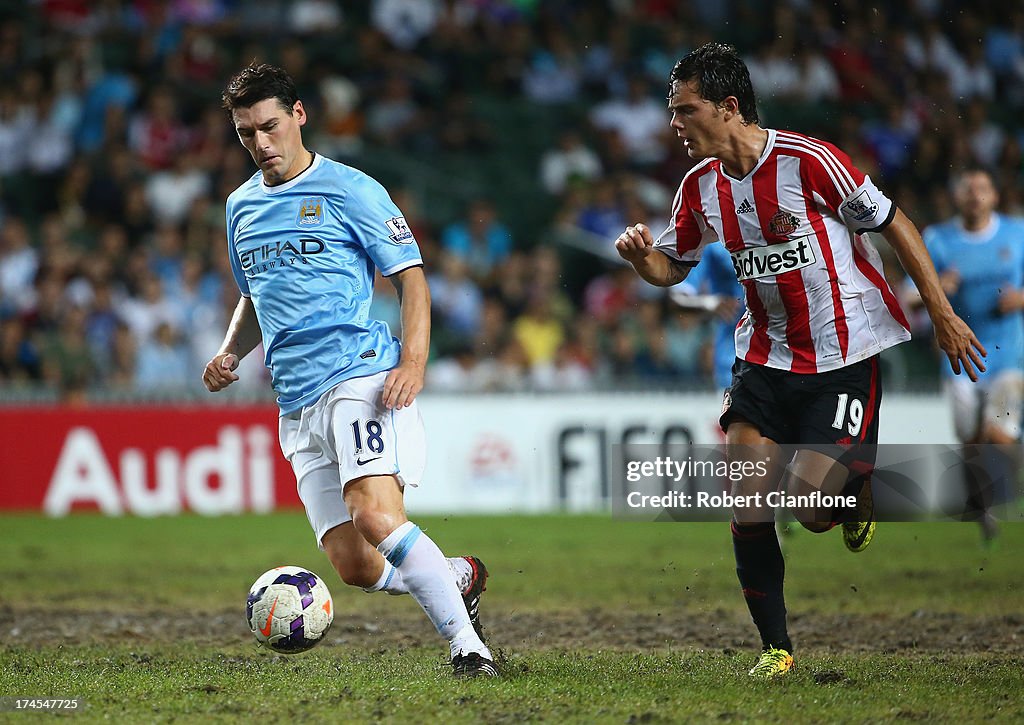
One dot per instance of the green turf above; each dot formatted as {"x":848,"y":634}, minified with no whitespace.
{"x":163,"y":683}
{"x":540,"y":564}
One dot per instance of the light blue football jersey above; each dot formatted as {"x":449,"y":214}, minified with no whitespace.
{"x":988,"y":262}
{"x":715,"y":275}
{"x":305,"y":251}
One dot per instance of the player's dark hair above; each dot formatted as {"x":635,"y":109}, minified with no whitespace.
{"x":718,"y":72}
{"x":258,"y":82}
{"x":961,"y":174}
{"x":971,"y":170}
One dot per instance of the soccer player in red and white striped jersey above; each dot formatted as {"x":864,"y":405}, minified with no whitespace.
{"x":791,"y":210}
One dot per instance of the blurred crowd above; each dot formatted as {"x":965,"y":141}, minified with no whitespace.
{"x":116,"y":158}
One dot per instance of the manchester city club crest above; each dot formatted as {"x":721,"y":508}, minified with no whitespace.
{"x":311,"y":212}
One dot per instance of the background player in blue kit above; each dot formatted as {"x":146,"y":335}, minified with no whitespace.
{"x":716,"y":277}
{"x":979,"y":255}
{"x":305,"y":235}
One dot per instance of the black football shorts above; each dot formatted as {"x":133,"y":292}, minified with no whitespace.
{"x":835,"y":407}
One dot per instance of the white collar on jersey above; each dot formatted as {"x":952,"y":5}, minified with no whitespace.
{"x":981,"y":235}
{"x":769,"y":144}
{"x":277,"y":189}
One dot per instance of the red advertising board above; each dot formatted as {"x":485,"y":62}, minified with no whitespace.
{"x":148,"y":460}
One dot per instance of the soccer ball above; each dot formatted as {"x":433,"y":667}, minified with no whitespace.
{"x":289,"y":609}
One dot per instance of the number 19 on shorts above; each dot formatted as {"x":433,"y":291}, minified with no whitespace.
{"x":854,"y":408}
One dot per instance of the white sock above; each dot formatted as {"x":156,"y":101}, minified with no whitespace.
{"x":462,"y":570}
{"x":391,"y":579}
{"x":431,"y":583}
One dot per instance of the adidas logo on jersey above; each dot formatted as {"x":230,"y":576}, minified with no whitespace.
{"x":745,"y":207}
{"x":757,"y":262}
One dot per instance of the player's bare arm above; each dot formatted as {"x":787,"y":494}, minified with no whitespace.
{"x":242,"y":337}
{"x":953,"y":335}
{"x":636,"y":246}
{"x":405,"y":381}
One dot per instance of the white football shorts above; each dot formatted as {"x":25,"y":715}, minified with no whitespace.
{"x":345,"y":435}
{"x":995,"y":400}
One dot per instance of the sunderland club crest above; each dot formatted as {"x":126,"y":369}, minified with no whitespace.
{"x":783,"y":223}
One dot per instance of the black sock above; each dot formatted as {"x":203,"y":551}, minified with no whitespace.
{"x":761,"y":570}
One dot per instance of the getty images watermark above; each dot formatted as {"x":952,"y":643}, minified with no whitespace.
{"x":663,"y":468}
{"x":689,"y":482}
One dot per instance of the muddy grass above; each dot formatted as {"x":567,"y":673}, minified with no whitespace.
{"x":923,"y":632}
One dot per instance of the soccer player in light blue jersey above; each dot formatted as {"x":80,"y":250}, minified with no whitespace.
{"x":305,"y":235}
{"x":715,"y":277}
{"x":979,"y":255}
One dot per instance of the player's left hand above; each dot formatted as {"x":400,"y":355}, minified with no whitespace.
{"x":960,"y":344}
{"x":402,"y":385}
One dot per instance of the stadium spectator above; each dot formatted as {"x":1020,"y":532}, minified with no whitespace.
{"x":817,"y":80}
{"x":157,"y":136}
{"x":19,"y":262}
{"x":456,"y":299}
{"x":463,"y":129}
{"x":315,"y":17}
{"x":984,"y":138}
{"x":162,"y":363}
{"x":891,"y":140}
{"x":170,"y":192}
{"x":461,"y":371}
{"x":571,"y":162}
{"x":144,"y":314}
{"x":538,"y":330}
{"x":637,"y":120}
{"x":553,"y":72}
{"x":68,"y":364}
{"x":394,"y":117}
{"x":603,"y":214}
{"x":19,"y":358}
{"x":479,"y":239}
{"x":405,"y":22}
{"x":774,"y":70}
{"x":564,"y":373}
{"x":101,"y":323}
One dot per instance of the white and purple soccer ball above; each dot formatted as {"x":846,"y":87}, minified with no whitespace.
{"x":289,"y":609}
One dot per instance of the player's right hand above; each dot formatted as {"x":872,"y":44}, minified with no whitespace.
{"x":219,"y":372}
{"x":635,"y":244}
{"x":961,"y":345}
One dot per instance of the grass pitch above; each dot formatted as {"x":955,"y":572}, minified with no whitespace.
{"x":597,"y":620}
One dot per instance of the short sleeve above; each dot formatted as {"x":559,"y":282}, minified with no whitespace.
{"x":867,"y":209}
{"x":688,"y":233}
{"x":379,"y":227}
{"x":236,"y":265}
{"x":846,"y":190}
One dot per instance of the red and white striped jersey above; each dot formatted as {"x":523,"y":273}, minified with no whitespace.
{"x":816,"y":296}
